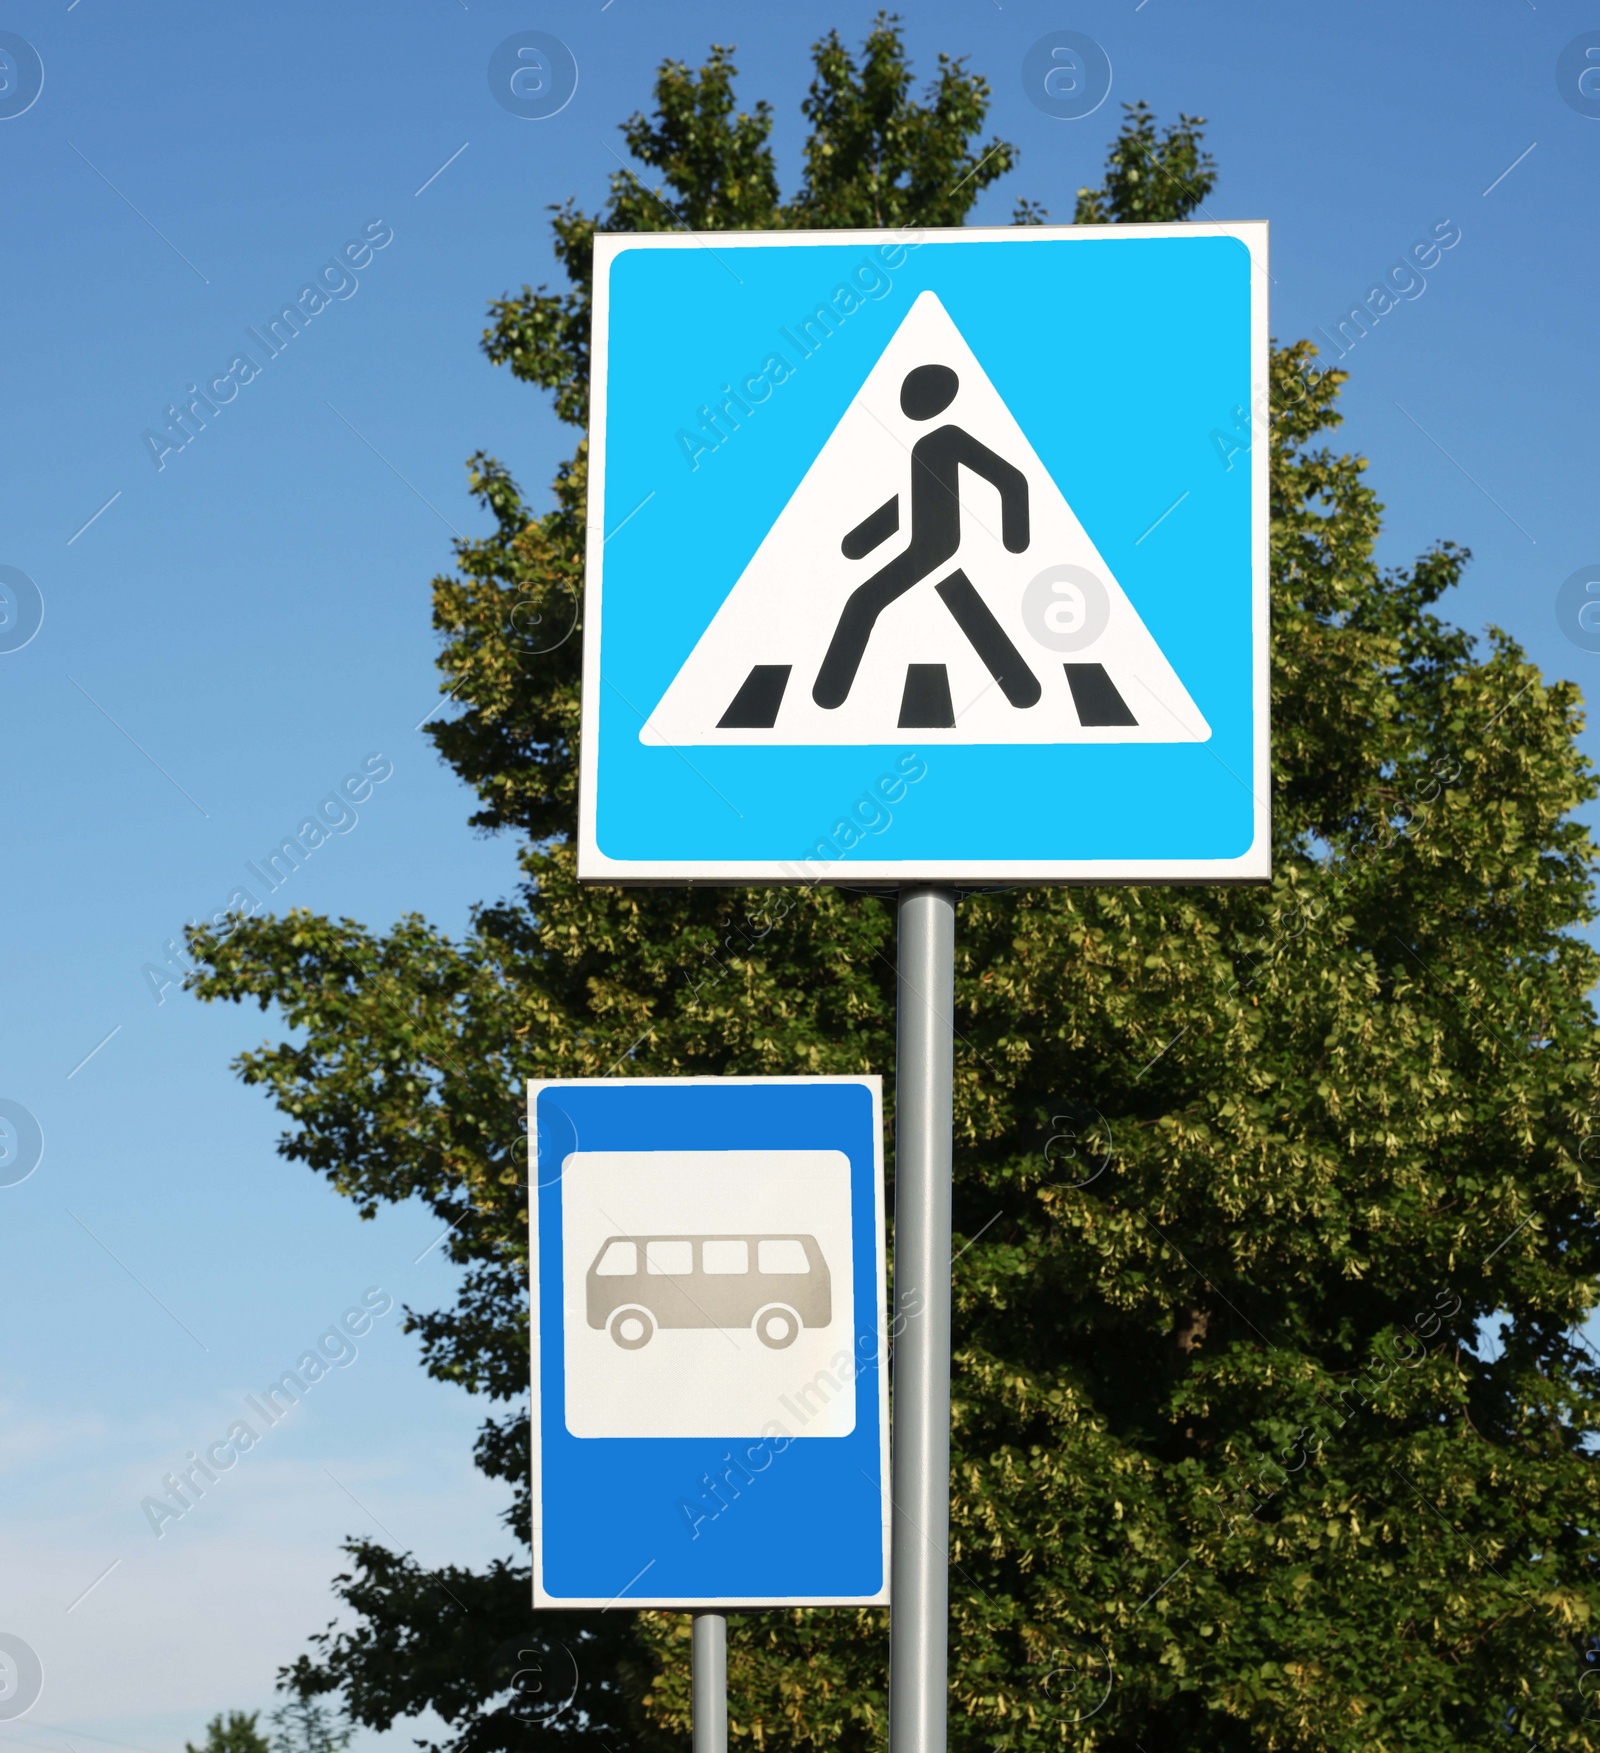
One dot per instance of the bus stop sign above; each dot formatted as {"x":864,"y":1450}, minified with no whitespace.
{"x":708,"y":1332}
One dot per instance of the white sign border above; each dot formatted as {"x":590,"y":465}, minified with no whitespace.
{"x":872,"y":1082}
{"x":1254,"y":865}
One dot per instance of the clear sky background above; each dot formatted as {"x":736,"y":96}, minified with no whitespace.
{"x":234,"y":633}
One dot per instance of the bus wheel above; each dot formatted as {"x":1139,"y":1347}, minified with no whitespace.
{"x":632,"y":1327}
{"x":777,"y":1326}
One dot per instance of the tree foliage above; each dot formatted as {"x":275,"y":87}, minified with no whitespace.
{"x":1244,"y":1171}
{"x":1151,"y":178}
{"x":235,"y":1733}
{"x":303,"y":1725}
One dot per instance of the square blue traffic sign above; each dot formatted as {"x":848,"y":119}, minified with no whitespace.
{"x":928,"y":555}
{"x":710,"y":1410}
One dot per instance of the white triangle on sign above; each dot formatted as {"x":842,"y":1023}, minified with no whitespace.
{"x":986,"y":617}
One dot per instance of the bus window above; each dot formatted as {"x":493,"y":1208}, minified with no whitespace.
{"x":620,"y":1260}
{"x":783,"y":1254}
{"x":725,"y":1255}
{"x":669,"y":1259}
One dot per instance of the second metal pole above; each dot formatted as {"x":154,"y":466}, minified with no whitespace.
{"x":919,"y":1614}
{"x":709,"y":1707}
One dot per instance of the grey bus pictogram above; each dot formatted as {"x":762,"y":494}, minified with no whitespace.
{"x":773,"y":1284}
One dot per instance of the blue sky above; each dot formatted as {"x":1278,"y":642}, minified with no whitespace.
{"x":233,"y":634}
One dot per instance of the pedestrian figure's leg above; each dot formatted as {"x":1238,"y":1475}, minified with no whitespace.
{"x":1000,"y":657}
{"x":860,"y":615}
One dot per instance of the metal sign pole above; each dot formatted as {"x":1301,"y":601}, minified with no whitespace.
{"x":709,"y":1708}
{"x":919,"y":1611}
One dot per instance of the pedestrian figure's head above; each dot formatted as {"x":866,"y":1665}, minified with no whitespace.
{"x":927,"y":391}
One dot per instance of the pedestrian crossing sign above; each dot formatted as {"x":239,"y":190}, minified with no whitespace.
{"x":927,"y":556}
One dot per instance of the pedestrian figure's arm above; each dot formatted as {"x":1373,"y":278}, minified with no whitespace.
{"x":873,"y":530}
{"x":1010,"y":483}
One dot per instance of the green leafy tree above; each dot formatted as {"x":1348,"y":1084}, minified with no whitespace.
{"x":301,"y":1725}
{"x":234,"y":1734}
{"x":1240,"y":1173}
{"x":1149,"y":179}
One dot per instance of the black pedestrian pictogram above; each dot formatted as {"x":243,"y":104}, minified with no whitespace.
{"x":936,"y":459}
